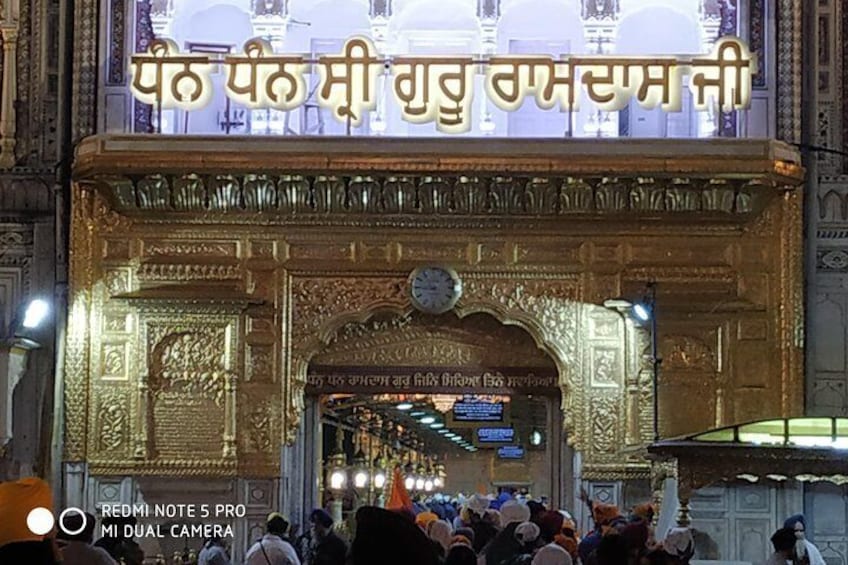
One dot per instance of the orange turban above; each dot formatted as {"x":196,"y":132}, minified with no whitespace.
{"x":17,"y":499}
{"x":425,"y":519}
{"x":605,"y":513}
{"x":644,"y":511}
{"x":568,"y":544}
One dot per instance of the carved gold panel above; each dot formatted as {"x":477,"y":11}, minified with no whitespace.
{"x":193,"y":304}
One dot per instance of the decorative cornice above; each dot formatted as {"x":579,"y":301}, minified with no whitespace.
{"x":308,"y":181}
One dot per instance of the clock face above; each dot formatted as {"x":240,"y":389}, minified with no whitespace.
{"x":434,"y":290}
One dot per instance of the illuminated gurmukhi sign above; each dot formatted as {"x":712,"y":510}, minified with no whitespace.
{"x":441,"y":89}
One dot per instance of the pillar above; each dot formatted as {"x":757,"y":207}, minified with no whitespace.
{"x":9,"y":96}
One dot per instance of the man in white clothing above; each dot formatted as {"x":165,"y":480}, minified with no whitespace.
{"x":273,"y":549}
{"x":804,"y":548}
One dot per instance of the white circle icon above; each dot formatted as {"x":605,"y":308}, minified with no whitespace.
{"x":40,"y":521}
{"x":67,"y":530}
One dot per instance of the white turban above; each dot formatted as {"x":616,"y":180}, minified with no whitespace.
{"x":552,"y":554}
{"x":513,"y":511}
{"x":679,"y":542}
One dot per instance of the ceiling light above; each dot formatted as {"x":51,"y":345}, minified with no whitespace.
{"x":444,"y":432}
{"x":427,"y":420}
{"x":437,"y":425}
{"x":450,"y":435}
{"x":404,"y":406}
{"x":417,"y":413}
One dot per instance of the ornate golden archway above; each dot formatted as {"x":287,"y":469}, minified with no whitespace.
{"x":587,"y":343}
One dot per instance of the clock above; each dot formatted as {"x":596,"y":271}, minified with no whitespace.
{"x":434,"y":290}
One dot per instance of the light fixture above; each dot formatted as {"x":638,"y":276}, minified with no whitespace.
{"x":403,"y":406}
{"x":419,"y":483}
{"x":428,"y":485}
{"x":642,"y":312}
{"x":536,"y":438}
{"x":35,"y":313}
{"x":379,"y":479}
{"x":409,"y":483}
{"x":437,"y":426}
{"x":450,"y":435}
{"x":444,"y":432}
{"x":417,"y":413}
{"x":427,"y":420}
{"x":360,"y":479}
{"x":336,"y":465}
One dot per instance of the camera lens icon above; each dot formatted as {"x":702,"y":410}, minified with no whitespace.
{"x":40,"y":521}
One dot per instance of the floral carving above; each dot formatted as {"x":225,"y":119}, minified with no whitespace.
{"x":259,"y":423}
{"x":260,"y":367}
{"x":114,"y":360}
{"x":605,"y":367}
{"x":604,"y":414}
{"x":189,"y":361}
{"x":687,"y":352}
{"x":113,"y":420}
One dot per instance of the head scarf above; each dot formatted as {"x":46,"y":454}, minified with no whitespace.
{"x":493,"y":517}
{"x":603,"y":514}
{"x":567,"y":543}
{"x":384,"y":537}
{"x":424,"y":520}
{"x":536,"y":508}
{"x":550,"y":523}
{"x":679,"y":543}
{"x":460,"y":540}
{"x":513,"y":511}
{"x":527,"y":532}
{"x":478,"y":504}
{"x":440,"y":532}
{"x":467,"y":533}
{"x":552,"y":554}
{"x":644,"y":512}
{"x":461,"y":555}
{"x":17,"y":500}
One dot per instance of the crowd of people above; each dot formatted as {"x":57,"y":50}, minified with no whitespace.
{"x":481,"y":530}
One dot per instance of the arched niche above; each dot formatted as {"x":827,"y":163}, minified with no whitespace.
{"x":660,"y":29}
{"x":428,"y":28}
{"x":325,"y":20}
{"x":215,"y":28}
{"x":540,"y":27}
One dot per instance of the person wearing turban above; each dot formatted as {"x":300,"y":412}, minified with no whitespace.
{"x":440,"y":533}
{"x":552,"y":554}
{"x":679,"y":546}
{"x":17,"y":543}
{"x":550,"y":523}
{"x":505,"y":546}
{"x":461,"y":554}
{"x":424,"y":519}
{"x":327,"y":547}
{"x":384,"y":537}
{"x":804,"y":548}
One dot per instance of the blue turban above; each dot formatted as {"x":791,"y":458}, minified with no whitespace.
{"x":792,"y":520}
